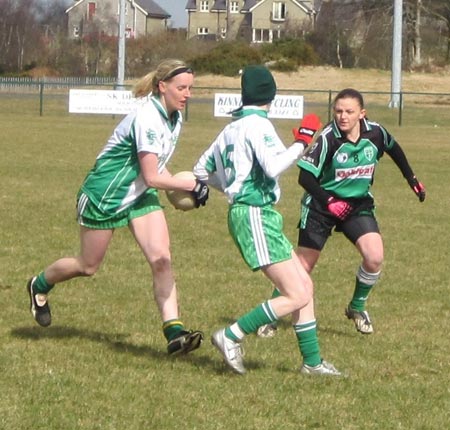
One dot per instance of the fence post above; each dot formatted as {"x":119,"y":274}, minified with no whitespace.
{"x":41,"y":97}
{"x":400,"y":110}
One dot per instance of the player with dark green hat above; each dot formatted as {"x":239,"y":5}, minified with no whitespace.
{"x":244,"y":162}
{"x":258,"y":86}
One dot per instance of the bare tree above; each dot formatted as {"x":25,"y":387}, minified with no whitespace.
{"x":413,"y":18}
{"x":6,"y":31}
{"x":20,"y":34}
{"x":440,"y":9}
{"x":352,"y":33}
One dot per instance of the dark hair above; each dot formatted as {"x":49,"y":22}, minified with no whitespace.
{"x":350,"y":93}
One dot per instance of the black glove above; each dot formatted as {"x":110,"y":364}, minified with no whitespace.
{"x":417,"y":187}
{"x":200,"y":193}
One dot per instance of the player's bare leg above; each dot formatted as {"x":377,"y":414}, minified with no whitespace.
{"x":370,"y":246}
{"x":93,"y":246}
{"x":152,"y":235}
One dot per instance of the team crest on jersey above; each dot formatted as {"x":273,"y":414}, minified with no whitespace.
{"x":151,"y":136}
{"x":268,"y":140}
{"x":369,"y":154}
{"x":342,"y":157}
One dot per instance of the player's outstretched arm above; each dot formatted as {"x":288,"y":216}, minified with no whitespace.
{"x":399,"y":157}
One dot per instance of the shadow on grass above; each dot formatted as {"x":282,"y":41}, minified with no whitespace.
{"x":117,"y":342}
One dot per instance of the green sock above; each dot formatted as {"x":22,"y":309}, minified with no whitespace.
{"x":364,"y":283}
{"x":275,"y":293}
{"x":172,"y":328}
{"x":250,"y":322}
{"x":308,"y":342}
{"x":41,"y":285}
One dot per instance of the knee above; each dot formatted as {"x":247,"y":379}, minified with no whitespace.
{"x":373,"y":263}
{"x":89,"y":270}
{"x":304,"y":295}
{"x":161,"y":264}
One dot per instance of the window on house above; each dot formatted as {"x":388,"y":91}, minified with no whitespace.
{"x":91,"y":10}
{"x":202,"y":31}
{"x":76,"y":31}
{"x":204,"y":6}
{"x":234,"y":7}
{"x":278,"y":34}
{"x":279,"y":11}
{"x":261,"y":35}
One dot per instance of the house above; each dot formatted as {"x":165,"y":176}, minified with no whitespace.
{"x":256,"y":21}
{"x":142,"y":17}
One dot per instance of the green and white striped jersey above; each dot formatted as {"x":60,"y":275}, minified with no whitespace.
{"x":246,"y":158}
{"x":115,"y":181}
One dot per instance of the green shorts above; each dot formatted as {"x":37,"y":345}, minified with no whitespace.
{"x":258,"y":233}
{"x":88,"y":214}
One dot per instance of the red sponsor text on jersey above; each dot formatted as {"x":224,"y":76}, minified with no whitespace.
{"x":355,"y":172}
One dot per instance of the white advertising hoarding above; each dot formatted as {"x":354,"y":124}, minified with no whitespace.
{"x":101,"y":101}
{"x":122,"y":102}
{"x":283,"y":106}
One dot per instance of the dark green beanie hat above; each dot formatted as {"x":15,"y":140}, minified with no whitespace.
{"x":257,"y":86}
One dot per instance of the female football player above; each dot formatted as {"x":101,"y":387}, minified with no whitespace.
{"x":122,"y":190}
{"x":244,"y":162}
{"x":337,"y":173}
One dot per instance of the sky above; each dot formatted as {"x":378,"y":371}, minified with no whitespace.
{"x":177,"y":8}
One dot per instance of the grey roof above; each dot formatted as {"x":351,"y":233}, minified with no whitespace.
{"x":153,"y":9}
{"x":190,"y":5}
{"x":222,"y":5}
{"x":247,"y":7}
{"x":249,"y":4}
{"x":219,"y":5}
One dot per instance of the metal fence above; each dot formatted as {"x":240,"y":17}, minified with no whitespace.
{"x":51,"y":95}
{"x":23,"y":84}
{"x":320,"y":101}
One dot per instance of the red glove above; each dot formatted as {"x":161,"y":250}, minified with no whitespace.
{"x":417,"y":187}
{"x":308,"y":128}
{"x":339,"y":208}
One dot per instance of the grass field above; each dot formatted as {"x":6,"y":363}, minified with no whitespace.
{"x":103,"y":363}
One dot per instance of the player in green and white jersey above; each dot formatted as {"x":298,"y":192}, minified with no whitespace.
{"x":337,"y":173}
{"x":244,"y":162}
{"x":122,"y":190}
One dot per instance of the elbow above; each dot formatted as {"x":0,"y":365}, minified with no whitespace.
{"x":151,"y":182}
{"x":202,"y":177}
{"x":272,"y":173}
